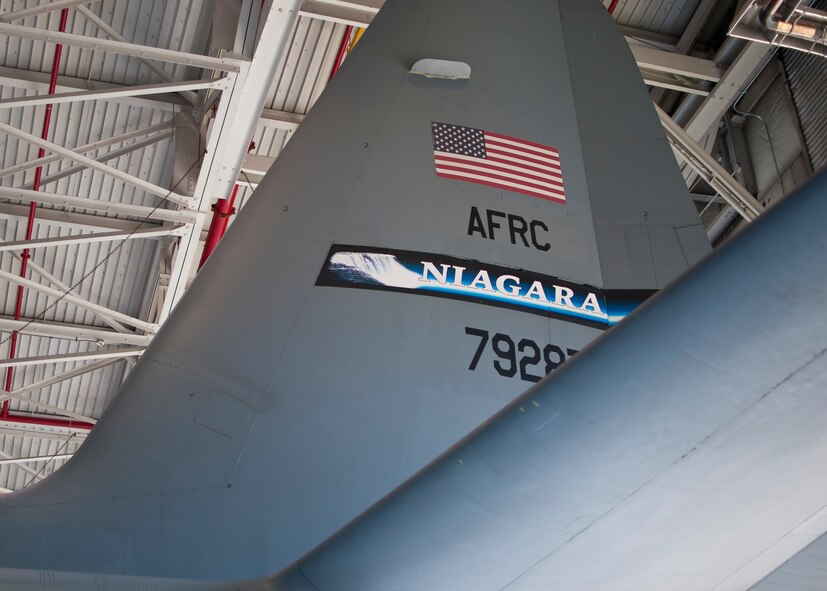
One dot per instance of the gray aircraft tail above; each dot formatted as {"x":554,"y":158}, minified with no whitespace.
{"x":680,"y":452}
{"x":428,"y":245}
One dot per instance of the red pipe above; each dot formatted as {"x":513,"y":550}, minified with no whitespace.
{"x":24,"y":264}
{"x":222,"y":210}
{"x":612,"y":6}
{"x":340,"y":55}
{"x":46,"y":422}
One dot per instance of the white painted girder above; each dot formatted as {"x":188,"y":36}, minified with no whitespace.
{"x":726,"y":186}
{"x":80,"y":302}
{"x":130,"y":91}
{"x":74,"y":332}
{"x":39,"y":82}
{"x":132,"y":49}
{"x":139,"y":233}
{"x":94,"y":164}
{"x":104,"y":27}
{"x":40,"y":8}
{"x":62,"y":377}
{"x":139,"y":211}
{"x":86,"y":148}
{"x":72,"y":357}
{"x":31,"y":460}
{"x":82,"y":222}
{"x":57,"y":283}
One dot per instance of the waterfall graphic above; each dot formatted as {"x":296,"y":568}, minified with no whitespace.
{"x":465,"y":279}
{"x":373,"y":269}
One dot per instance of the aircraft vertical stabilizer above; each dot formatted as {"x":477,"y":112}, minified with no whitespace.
{"x":428,"y":246}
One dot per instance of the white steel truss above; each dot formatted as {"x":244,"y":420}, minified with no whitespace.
{"x":236,"y":85}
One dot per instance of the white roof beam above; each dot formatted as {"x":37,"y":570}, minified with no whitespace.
{"x":34,"y":459}
{"x":257,"y":163}
{"x":11,"y":429}
{"x":81,"y":222}
{"x":94,"y":164}
{"x":280,"y":119}
{"x":667,"y":81}
{"x":635,"y":35}
{"x":135,"y":234}
{"x":649,"y":58}
{"x":74,"y":332}
{"x":55,"y":282}
{"x":40,"y":9}
{"x":103,"y":157}
{"x":39,"y":81}
{"x":90,"y":147}
{"x":66,"y":375}
{"x":61,"y":412}
{"x":93,"y":18}
{"x":139,"y":211}
{"x":222,"y":64}
{"x":72,"y":357}
{"x":94,"y":95}
{"x":712,"y":172}
{"x":728,"y":88}
{"x":348,"y":13}
{"x":80,"y":302}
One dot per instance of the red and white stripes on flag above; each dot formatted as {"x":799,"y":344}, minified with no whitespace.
{"x":497,"y":160}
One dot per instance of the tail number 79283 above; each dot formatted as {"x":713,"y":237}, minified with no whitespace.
{"x":524,"y":356}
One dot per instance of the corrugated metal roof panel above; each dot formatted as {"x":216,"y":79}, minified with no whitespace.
{"x":305,"y":66}
{"x":807,"y":76}
{"x":123,"y":269}
{"x":669,"y":17}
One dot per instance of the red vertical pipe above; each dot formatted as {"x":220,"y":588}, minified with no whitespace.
{"x":612,"y":6}
{"x":340,"y":55}
{"x":222,"y":210}
{"x":44,"y":134}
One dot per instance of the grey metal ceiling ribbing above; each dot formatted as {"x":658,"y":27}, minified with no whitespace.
{"x":123,"y":280}
{"x":301,"y":77}
{"x":807,"y":77}
{"x":662,"y":16}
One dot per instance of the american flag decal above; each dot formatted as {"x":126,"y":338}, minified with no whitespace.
{"x":496,"y":160}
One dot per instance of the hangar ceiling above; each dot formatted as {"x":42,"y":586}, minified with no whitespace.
{"x":161,"y":107}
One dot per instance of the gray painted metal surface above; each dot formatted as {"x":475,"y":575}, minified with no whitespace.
{"x":231,"y":456}
{"x":688,"y":460}
{"x":668,"y":456}
{"x":806,"y":571}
